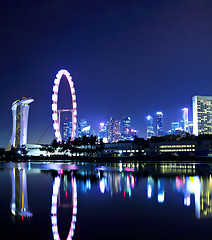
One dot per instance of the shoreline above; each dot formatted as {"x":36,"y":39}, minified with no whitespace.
{"x":61,"y":158}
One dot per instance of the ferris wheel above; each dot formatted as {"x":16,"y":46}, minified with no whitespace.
{"x":56,"y":112}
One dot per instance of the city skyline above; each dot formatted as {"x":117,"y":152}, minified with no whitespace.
{"x":126,"y":59}
{"x":94,"y":129}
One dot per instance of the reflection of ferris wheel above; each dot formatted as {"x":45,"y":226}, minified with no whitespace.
{"x":55,"y":117}
{"x":56,"y":187}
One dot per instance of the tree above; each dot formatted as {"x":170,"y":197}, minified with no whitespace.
{"x":55,"y":144}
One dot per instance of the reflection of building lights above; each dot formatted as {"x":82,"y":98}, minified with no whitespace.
{"x":102,"y":185}
{"x":193,"y":185}
{"x":88,"y":184}
{"x":29,"y":166}
{"x":132,"y":182}
{"x":128,"y":182}
{"x":130,"y":193}
{"x":161,"y":197}
{"x":149,"y":191}
{"x":187,"y":200}
{"x":161,"y":191}
{"x":120,"y":167}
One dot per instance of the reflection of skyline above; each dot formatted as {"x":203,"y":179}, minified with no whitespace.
{"x":19,"y":199}
{"x":123,"y":179}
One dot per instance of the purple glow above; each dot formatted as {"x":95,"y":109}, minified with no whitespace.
{"x":54,"y":104}
{"x":56,"y":187}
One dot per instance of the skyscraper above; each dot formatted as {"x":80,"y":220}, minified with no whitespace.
{"x":20,"y":111}
{"x":202,"y":115}
{"x":185,"y":119}
{"x":66,"y":129}
{"x":113,"y":130}
{"x":159,"y":124}
{"x":126,"y":128}
{"x":102,"y":131}
{"x":175,"y":125}
{"x":84,"y":128}
{"x":150,"y":129}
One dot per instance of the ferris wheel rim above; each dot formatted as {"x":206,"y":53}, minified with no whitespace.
{"x":55,"y":117}
{"x":56,"y":187}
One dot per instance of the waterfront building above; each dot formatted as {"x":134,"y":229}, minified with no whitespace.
{"x":185,"y":120}
{"x":150,"y":129}
{"x":113,"y":130}
{"x":20,"y":112}
{"x":159,"y":124}
{"x":202,"y":115}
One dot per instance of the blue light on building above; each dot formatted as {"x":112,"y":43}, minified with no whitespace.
{"x":159,"y":124}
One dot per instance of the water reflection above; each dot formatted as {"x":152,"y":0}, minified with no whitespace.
{"x":161,"y":180}
{"x":55,"y":203}
{"x":19,"y":200}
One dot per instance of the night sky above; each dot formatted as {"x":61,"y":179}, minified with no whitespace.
{"x":127,"y":58}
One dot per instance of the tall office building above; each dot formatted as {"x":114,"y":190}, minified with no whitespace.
{"x":150,"y":128}
{"x":159,"y":124}
{"x":66,"y":129}
{"x":175,"y":125}
{"x":185,"y":120}
{"x":116,"y":131}
{"x":126,"y":128}
{"x":113,"y":130}
{"x":84,"y":128}
{"x":20,"y":111}
{"x":202,"y":115}
{"x":102,"y":131}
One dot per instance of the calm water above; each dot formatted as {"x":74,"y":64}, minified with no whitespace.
{"x":105,"y":201}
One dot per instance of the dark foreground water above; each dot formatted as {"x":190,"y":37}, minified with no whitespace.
{"x":105,"y":201}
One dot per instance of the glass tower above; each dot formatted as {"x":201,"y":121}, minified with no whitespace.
{"x":126,"y":128}
{"x":175,"y":126}
{"x":102,"y":131}
{"x":159,"y":124}
{"x":113,"y":130}
{"x":67,"y":129}
{"x":150,"y":131}
{"x":185,"y":120}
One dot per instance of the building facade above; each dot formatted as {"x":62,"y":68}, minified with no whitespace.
{"x":159,"y":124}
{"x":20,"y":112}
{"x":66,"y":129}
{"x":175,"y":127}
{"x":113,"y":130}
{"x":103,"y":132}
{"x":83,"y":129}
{"x":126,"y":128}
{"x":150,"y":127}
{"x":202,"y":115}
{"x":185,"y":126}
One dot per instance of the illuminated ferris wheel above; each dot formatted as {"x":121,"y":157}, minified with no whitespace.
{"x":56,"y":112}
